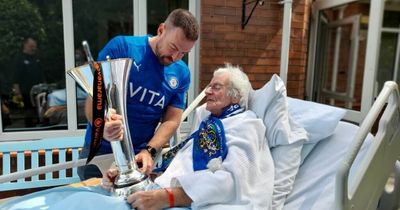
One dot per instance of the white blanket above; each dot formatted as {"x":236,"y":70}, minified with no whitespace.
{"x":246,"y":177}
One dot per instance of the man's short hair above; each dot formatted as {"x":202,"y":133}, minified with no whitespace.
{"x":186,"y":21}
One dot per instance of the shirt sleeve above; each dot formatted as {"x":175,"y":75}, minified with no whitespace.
{"x":115,"y":48}
{"x":179,"y":99}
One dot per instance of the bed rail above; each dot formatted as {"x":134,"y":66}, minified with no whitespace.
{"x":381,"y":156}
{"x":38,"y":159}
{"x":17,"y":156}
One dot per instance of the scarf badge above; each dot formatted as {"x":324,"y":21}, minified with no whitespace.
{"x":208,"y":141}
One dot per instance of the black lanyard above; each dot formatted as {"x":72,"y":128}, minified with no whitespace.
{"x":98,"y":107}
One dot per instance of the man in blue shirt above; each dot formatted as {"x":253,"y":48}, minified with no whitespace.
{"x":158,"y":82}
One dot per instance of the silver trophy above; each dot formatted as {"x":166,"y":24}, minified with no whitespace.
{"x":115,"y":76}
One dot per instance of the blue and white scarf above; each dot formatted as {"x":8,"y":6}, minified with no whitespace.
{"x":209,"y":141}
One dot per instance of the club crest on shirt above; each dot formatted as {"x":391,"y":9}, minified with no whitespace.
{"x":173,"y":82}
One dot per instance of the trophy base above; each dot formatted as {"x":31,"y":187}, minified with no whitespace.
{"x":129,"y":183}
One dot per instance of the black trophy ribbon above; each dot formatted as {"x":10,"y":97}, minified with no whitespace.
{"x":98,"y":104}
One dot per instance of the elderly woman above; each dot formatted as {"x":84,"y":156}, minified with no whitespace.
{"x":225,"y":164}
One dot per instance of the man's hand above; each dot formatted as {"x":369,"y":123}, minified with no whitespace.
{"x":113,"y":127}
{"x":149,"y":200}
{"x":147,"y":161}
{"x":108,"y":179}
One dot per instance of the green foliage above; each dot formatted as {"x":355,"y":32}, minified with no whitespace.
{"x":18,"y":19}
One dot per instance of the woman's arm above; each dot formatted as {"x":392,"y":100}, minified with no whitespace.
{"x":159,"y":199}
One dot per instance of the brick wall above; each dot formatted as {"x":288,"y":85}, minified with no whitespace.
{"x":257,"y":47}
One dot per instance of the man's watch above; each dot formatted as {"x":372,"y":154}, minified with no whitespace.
{"x":152,"y":151}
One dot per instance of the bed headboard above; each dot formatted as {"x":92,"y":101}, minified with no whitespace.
{"x":380,"y":157}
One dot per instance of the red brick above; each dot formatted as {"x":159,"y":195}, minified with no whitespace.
{"x":233,"y":20}
{"x":213,"y":2}
{"x":224,"y":28}
{"x":207,"y":10}
{"x":210,"y":19}
{"x":266,"y":61}
{"x":212,"y":36}
{"x":227,"y":11}
{"x":206,"y":28}
{"x":206,"y":44}
{"x":256,"y":48}
{"x":233,"y":52}
{"x":213,"y":60}
{"x":234,"y":3}
{"x":221,"y":44}
{"x":234,"y":36}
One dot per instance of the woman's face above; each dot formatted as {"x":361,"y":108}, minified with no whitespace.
{"x":217,"y":94}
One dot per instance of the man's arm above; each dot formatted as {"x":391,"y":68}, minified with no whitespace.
{"x":167,"y":128}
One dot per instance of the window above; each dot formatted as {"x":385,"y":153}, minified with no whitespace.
{"x":389,"y":54}
{"x":97,"y":22}
{"x":343,"y":54}
{"x":48,"y":103}
{"x":32,"y":62}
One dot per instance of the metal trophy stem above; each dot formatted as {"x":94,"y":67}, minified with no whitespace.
{"x":116,"y":73}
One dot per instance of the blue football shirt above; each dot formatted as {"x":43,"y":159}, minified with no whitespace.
{"x":152,"y":87}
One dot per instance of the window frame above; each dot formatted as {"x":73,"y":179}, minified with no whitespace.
{"x":371,"y":59}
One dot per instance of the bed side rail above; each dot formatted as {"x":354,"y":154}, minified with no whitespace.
{"x":379,"y":159}
{"x":38,"y":159}
{"x":192,"y":106}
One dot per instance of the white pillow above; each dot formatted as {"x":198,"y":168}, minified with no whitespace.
{"x":285,"y":137}
{"x":270,"y":104}
{"x":287,"y":163}
{"x":319,"y":120}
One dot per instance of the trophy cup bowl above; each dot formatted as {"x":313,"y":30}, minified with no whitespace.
{"x":115,"y":76}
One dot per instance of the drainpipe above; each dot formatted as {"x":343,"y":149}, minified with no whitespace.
{"x":287,"y":17}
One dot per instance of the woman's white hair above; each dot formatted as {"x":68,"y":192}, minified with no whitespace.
{"x":240,"y":85}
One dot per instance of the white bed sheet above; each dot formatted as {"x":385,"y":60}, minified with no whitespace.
{"x":314,"y":187}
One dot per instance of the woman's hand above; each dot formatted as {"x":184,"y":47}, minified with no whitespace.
{"x":108,"y":179}
{"x":113,"y":127}
{"x":149,"y":200}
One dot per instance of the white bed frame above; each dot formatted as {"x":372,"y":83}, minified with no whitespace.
{"x":370,"y":179}
{"x":380,"y":158}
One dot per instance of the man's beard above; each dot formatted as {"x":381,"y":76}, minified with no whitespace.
{"x":164,"y":59}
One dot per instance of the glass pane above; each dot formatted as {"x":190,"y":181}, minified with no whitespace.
{"x":31,"y":62}
{"x":391,"y":19}
{"x":340,"y":56}
{"x":97,"y":22}
{"x":157,"y":12}
{"x":387,"y":55}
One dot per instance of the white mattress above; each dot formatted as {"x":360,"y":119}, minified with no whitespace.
{"x":314,"y":186}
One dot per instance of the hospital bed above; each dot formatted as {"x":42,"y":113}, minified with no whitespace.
{"x":346,"y":170}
